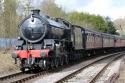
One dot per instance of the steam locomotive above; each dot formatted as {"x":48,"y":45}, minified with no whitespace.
{"x":47,"y":42}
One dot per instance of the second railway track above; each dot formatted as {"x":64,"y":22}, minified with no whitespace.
{"x":89,"y":73}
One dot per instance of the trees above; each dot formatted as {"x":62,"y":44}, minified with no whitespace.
{"x":23,"y":7}
{"x":1,"y":6}
{"x":111,"y":27}
{"x":10,"y":20}
{"x":95,"y":22}
{"x":1,"y":17}
{"x":9,"y":16}
{"x":49,"y":7}
{"x":89,"y":21}
{"x":120,"y":25}
{"x":79,"y":19}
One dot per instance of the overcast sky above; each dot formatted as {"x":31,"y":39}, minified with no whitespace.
{"x":112,"y":8}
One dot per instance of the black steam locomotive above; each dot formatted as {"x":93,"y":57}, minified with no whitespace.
{"x":47,"y":42}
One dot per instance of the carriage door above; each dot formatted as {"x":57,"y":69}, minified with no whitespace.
{"x":78,"y":38}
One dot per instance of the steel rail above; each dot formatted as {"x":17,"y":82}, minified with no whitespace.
{"x":71,"y":75}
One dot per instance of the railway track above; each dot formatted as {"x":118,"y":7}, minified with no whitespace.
{"x":91,"y":72}
{"x":23,"y":77}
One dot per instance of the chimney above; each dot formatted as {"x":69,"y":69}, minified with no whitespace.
{"x":36,"y":11}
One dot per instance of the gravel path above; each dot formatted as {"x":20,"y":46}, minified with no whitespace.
{"x":111,"y":72}
{"x":88,"y":73}
{"x":121,"y":78}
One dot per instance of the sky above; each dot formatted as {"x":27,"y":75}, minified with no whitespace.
{"x":113,"y":8}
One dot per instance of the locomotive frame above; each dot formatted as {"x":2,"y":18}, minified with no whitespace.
{"x":61,"y":44}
